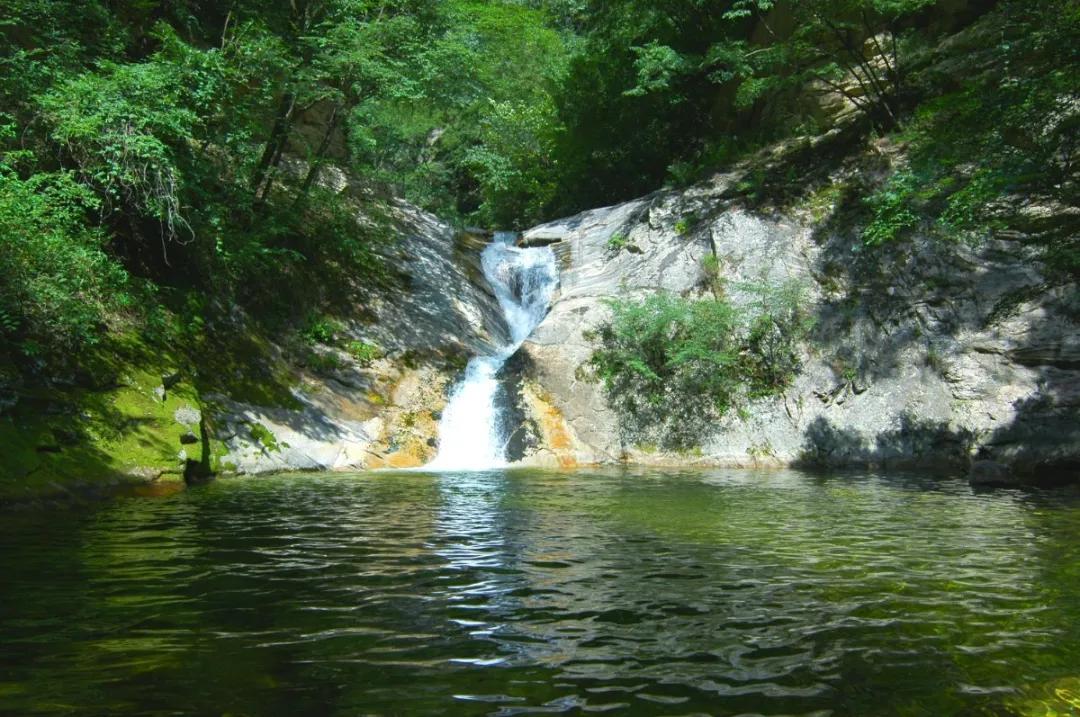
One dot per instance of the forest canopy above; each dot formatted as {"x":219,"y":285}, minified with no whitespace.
{"x":162,"y":160}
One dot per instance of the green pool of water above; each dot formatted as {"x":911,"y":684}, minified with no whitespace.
{"x":505,"y":593}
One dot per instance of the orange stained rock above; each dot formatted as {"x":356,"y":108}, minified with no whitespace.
{"x":556,"y":434}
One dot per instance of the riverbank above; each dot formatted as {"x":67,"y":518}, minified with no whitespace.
{"x":355,"y":390}
{"x":933,"y":355}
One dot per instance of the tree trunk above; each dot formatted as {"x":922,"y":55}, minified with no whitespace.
{"x":275,"y":162}
{"x":280,"y":131}
{"x":320,"y":152}
{"x":877,"y":93}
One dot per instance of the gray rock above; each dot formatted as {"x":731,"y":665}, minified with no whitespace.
{"x":445,"y":307}
{"x":305,"y":439}
{"x":379,"y":414}
{"x":924,"y":354}
{"x":187,"y":416}
{"x":953,"y":348}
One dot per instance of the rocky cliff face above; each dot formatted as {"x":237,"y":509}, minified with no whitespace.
{"x":278,"y":404}
{"x":383,"y":413}
{"x":924,"y":354}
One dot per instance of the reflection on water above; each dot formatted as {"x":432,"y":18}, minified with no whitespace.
{"x":712,"y":592}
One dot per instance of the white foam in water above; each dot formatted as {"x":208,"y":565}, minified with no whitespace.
{"x":472,"y":433}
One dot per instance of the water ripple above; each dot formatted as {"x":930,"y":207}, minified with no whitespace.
{"x":546,"y":593}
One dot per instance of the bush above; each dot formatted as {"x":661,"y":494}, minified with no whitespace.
{"x":891,"y":208}
{"x":671,"y":366}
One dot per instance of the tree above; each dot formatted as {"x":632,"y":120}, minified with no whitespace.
{"x":126,"y":127}
{"x":57,"y":283}
{"x":832,"y":41}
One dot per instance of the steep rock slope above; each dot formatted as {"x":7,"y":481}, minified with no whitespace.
{"x":382,"y":413}
{"x":245,"y":403}
{"x":924,"y":354}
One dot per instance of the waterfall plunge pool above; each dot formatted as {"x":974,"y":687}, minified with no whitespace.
{"x":533,"y":592}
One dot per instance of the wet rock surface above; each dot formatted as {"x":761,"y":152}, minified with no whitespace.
{"x":382,"y":413}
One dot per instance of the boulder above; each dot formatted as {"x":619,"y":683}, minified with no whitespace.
{"x":379,"y":413}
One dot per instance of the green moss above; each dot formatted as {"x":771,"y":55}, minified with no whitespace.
{"x":821,"y":203}
{"x":118,"y":423}
{"x":455,"y":361}
{"x":323,"y":363}
{"x":143,"y":430}
{"x":246,"y":368}
{"x":61,"y":440}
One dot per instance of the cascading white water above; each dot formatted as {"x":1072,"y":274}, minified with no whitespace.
{"x":472,"y":434}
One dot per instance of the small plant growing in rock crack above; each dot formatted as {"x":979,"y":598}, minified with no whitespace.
{"x":618,"y":242}
{"x":936,"y":362}
{"x":321,"y":330}
{"x":685,"y":224}
{"x":363,"y":352}
{"x":713,"y":270}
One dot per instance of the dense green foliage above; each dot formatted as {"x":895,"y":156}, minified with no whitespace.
{"x":673,"y":365}
{"x":160,"y":162}
{"x":978,"y":153}
{"x":58,"y":284}
{"x":163,"y":162}
{"x":677,"y":89}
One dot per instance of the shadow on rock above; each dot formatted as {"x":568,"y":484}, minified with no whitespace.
{"x":914,"y":443}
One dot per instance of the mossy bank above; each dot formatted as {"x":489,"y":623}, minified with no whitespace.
{"x":363,"y":388}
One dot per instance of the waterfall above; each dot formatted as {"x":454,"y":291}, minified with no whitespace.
{"x":472,"y":433}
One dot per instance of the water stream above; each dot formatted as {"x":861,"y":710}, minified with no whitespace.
{"x":473,"y":432}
